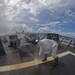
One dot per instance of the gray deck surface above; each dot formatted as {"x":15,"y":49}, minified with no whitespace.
{"x":66,"y":64}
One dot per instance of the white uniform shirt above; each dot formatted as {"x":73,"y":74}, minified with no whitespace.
{"x":46,"y":46}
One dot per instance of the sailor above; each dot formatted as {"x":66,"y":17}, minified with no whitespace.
{"x":47,"y":46}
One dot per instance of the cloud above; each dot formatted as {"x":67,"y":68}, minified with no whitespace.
{"x":25,"y":28}
{"x":34,"y":19}
{"x":52,"y":24}
{"x":70,"y":15}
{"x":70,"y":34}
{"x":36,"y":6}
{"x":60,"y":32}
{"x":43,"y":29}
{"x":13,"y":15}
{"x":47,"y":29}
{"x":1,"y":5}
{"x":24,"y":14}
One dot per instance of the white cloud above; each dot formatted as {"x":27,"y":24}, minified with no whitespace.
{"x":52,"y":24}
{"x":34,"y":19}
{"x":35,"y":6}
{"x":15,"y":13}
{"x":43,"y":29}
{"x":70,"y":15}
{"x":47,"y":30}
{"x":1,"y":5}
{"x":12,"y":15}
{"x":69,"y":34}
{"x":26,"y":28}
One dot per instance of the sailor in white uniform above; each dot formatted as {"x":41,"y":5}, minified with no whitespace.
{"x":47,"y":46}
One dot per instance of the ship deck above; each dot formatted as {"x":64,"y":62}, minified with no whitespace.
{"x":13,"y":64}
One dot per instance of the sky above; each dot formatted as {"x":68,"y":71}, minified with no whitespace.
{"x":55,"y":16}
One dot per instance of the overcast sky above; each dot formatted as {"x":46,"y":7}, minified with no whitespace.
{"x":57,"y":16}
